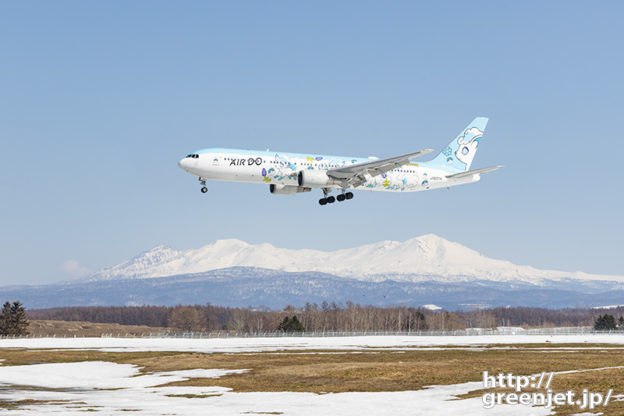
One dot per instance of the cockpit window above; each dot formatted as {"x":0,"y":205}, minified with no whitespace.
{"x":193,"y":155}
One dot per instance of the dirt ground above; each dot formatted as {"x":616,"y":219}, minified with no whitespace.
{"x":384,"y":370}
{"x":87,"y":329}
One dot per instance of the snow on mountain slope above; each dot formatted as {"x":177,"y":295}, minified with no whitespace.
{"x":428,"y":257}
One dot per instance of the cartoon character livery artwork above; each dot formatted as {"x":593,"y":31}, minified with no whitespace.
{"x":292,"y":173}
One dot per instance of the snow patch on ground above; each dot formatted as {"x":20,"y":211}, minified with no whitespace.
{"x":97,"y":374}
{"x":87,"y":385}
{"x":110,"y":388}
{"x":217,"y":345}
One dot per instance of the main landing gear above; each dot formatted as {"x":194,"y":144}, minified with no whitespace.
{"x":330,"y":199}
{"x":342,"y":197}
{"x":203,"y":183}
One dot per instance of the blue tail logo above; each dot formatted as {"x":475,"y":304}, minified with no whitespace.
{"x":458,"y":155}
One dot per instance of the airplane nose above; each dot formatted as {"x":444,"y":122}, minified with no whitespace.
{"x":183,"y":164}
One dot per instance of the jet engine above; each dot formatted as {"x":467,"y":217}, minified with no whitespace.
{"x":287,"y":189}
{"x":315,"y":179}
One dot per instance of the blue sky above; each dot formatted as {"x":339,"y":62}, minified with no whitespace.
{"x":99,"y":100}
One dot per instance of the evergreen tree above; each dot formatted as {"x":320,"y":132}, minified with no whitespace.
{"x":420,"y":321}
{"x":291,"y":325}
{"x":5,"y":319}
{"x":605,"y":322}
{"x":295,"y":325}
{"x":283,"y":326}
{"x":13,"y":320}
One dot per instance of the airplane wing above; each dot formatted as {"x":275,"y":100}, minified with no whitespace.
{"x":355,"y":175}
{"x":473,"y":172}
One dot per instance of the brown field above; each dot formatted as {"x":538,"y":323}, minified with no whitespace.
{"x":42,"y":328}
{"x":399,"y":370}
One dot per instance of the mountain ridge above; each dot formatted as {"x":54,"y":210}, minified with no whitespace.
{"x":257,"y":287}
{"x":420,"y":258}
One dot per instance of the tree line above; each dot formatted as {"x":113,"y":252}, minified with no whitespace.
{"x":318,"y":318}
{"x":608,"y":322}
{"x":13,"y":321}
{"x":312,"y":317}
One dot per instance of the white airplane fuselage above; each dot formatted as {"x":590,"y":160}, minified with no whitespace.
{"x":291,"y":173}
{"x":286,"y":169}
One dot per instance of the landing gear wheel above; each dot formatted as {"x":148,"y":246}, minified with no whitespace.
{"x":330,"y":199}
{"x":202,"y":181}
{"x":323,"y":201}
{"x":349,"y":195}
{"x":341,"y":197}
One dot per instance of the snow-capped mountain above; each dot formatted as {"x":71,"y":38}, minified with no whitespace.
{"x":426,"y":271}
{"x":253,"y":287}
{"x":428,"y":257}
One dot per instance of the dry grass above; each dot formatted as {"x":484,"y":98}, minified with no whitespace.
{"x":28,"y":356}
{"x":391,"y":372}
{"x":380,"y":370}
{"x":12,"y":405}
{"x":598,"y":381}
{"x":195,"y":396}
{"x":595,"y":381}
{"x":45,"y":328}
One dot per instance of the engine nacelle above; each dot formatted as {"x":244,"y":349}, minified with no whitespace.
{"x":315,"y":179}
{"x":287,"y":189}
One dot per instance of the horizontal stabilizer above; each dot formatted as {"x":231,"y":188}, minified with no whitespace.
{"x":473,"y":172}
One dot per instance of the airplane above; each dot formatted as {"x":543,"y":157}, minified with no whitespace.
{"x":292,"y":173}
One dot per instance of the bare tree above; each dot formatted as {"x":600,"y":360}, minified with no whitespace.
{"x":185,"y":318}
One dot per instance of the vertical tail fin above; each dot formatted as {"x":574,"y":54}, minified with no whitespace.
{"x":458,"y":155}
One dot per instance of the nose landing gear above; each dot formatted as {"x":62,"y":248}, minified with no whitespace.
{"x":203,"y":189}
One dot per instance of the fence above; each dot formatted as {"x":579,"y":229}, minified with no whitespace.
{"x":464,"y":332}
{"x":459,"y":333}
